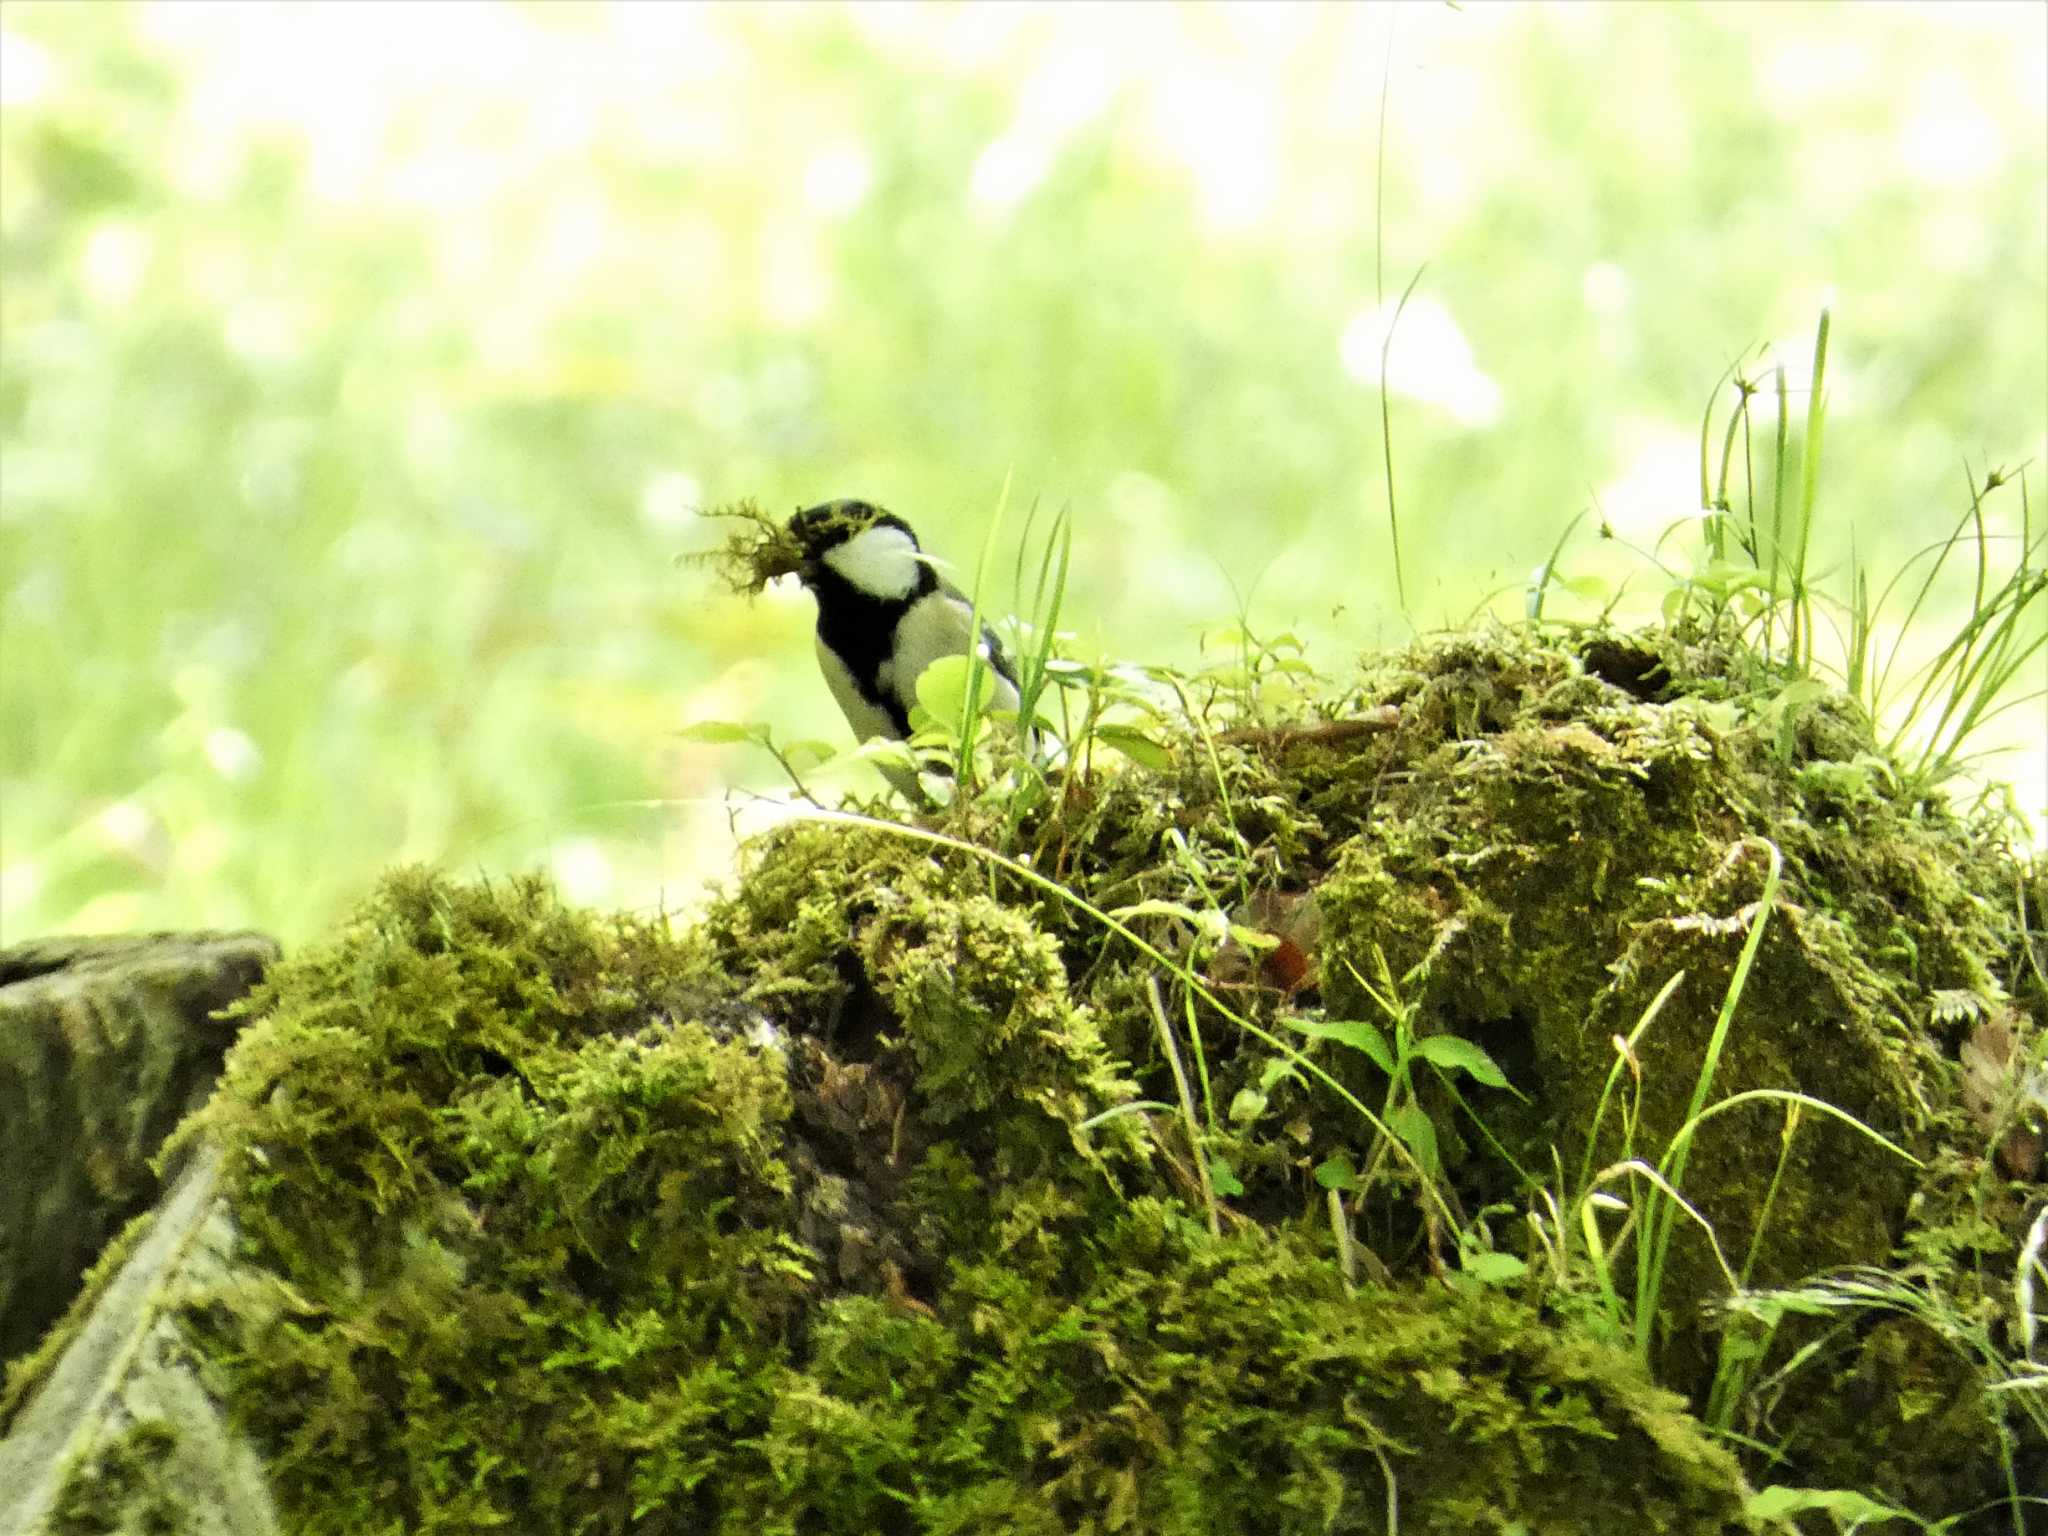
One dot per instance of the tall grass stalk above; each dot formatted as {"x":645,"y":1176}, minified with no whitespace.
{"x":1780,"y":465}
{"x":1196,"y":1140}
{"x":1925,"y":721}
{"x":1809,"y":493}
{"x":1659,"y":1216}
{"x":1040,"y":634}
{"x":1379,"y":298}
{"x":1965,"y":684}
{"x":1624,"y":1058}
{"x":972,"y":703}
{"x":1387,"y":439}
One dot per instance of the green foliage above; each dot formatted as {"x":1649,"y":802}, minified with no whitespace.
{"x":1401,"y":1117}
{"x":491,"y":1151}
{"x":1948,"y":1385}
{"x":1969,"y":681}
{"x":986,"y":1168}
{"x":484,"y":1186}
{"x":1928,"y":686}
{"x":1781,"y":1214}
{"x":794,"y":758}
{"x":352,"y":415}
{"x":1850,"y":1511}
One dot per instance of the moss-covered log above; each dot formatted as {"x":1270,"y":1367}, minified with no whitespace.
{"x":868,"y":1203}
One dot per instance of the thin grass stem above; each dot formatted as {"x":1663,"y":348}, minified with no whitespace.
{"x":1187,"y":1104}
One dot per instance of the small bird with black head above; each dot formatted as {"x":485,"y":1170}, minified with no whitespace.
{"x":884,"y":616}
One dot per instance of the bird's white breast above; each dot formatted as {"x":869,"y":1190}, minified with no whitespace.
{"x":867,"y":720}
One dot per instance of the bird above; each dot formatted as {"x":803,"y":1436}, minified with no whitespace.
{"x":884,"y":615}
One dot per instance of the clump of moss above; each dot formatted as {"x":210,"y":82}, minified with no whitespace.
{"x":513,"y":1186}
{"x":857,"y":1207}
{"x":855,"y":932}
{"x":928,"y":1021}
{"x":1538,"y":836}
{"x":121,"y":1487}
{"x":757,"y":549}
{"x":1182,"y":1384}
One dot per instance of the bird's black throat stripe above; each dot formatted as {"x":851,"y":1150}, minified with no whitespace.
{"x":863,"y":630}
{"x":860,"y":629}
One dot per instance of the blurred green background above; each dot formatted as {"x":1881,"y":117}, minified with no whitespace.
{"x":363,"y":368}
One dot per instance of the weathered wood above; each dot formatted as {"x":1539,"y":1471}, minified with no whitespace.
{"x":105,"y":1044}
{"x":123,"y":1435}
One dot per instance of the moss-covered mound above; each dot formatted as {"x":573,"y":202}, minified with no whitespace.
{"x":869,"y":1205}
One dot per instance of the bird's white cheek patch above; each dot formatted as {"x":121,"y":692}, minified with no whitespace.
{"x":881,"y":562}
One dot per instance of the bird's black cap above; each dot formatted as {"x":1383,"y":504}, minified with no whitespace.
{"x":817,"y":529}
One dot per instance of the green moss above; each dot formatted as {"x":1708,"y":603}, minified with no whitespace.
{"x":118,"y":1487}
{"x":510,"y":1180}
{"x":1906,"y":1414}
{"x":792,"y":1224}
{"x":1184,"y":1385}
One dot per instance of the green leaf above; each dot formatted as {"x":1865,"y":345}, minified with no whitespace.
{"x":1275,"y":1072}
{"x":1156,"y":907}
{"x":809,"y":754}
{"x":1779,"y":1503}
{"x":1223,"y":1178}
{"x":883,"y":750}
{"x":1490,"y":1268}
{"x":1417,"y":1133}
{"x":722,"y":733}
{"x":1356,"y":1033}
{"x":942,"y":690}
{"x":1136,"y":745}
{"x":1724,"y":576}
{"x":1455,"y":1054}
{"x":1795,"y":695}
{"x":1337,"y":1173}
{"x":1587,"y":587}
{"x":1247,"y":1106}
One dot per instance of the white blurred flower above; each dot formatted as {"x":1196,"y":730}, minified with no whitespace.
{"x":127,"y":825}
{"x":582,"y":869}
{"x":24,"y":70}
{"x":234,"y":755}
{"x":838,"y":180}
{"x":1606,"y":288}
{"x":670,"y":500}
{"x":1659,"y":485}
{"x":1430,"y":360}
{"x":116,"y":256}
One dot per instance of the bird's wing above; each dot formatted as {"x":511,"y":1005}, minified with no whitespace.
{"x":938,"y":625}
